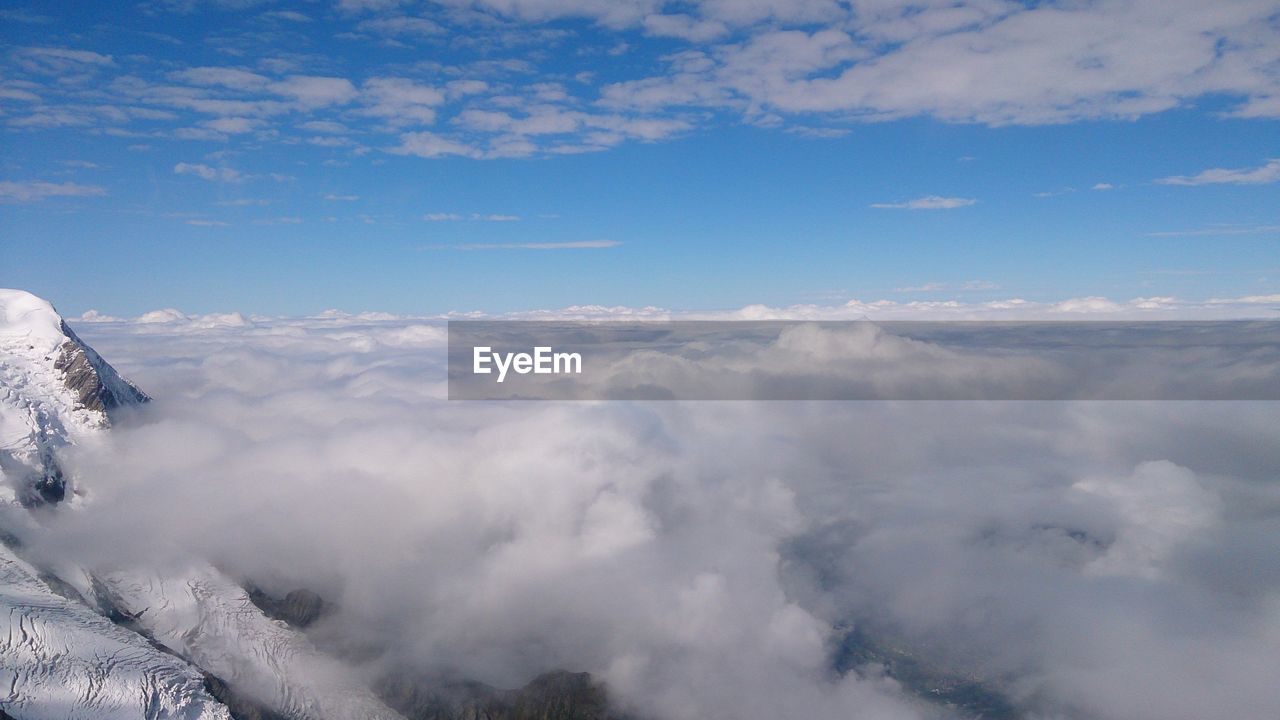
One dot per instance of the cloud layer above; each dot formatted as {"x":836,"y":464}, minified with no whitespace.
{"x":1104,"y":560}
{"x":513,"y":87}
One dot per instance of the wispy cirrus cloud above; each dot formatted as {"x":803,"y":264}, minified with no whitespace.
{"x":570,"y":245}
{"x":929,"y":202}
{"x":1268,"y":172}
{"x":966,"y":286}
{"x":1247,"y":300}
{"x":1219,"y":231}
{"x":32,"y":191}
{"x":227,"y":175}
{"x":479,"y":217}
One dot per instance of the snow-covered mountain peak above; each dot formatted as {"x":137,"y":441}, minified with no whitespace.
{"x":27,"y":318}
{"x":61,"y":656}
{"x":54,"y":390}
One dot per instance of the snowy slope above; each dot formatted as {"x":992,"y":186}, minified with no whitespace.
{"x":209,"y":619}
{"x":54,"y":390}
{"x":59,"y":657}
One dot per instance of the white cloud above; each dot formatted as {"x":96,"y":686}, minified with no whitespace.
{"x":570,"y":245}
{"x":427,"y":144}
{"x":401,"y":101}
{"x":331,"y":197}
{"x":200,"y":222}
{"x":61,"y":61}
{"x":286,"y":220}
{"x":324,"y":126}
{"x":929,"y":202}
{"x":232,"y":125}
{"x":315,"y":91}
{"x":1266,"y":173}
{"x":1092,"y":304}
{"x":32,"y":191}
{"x":1162,"y":505}
{"x":1220,"y":230}
{"x":966,"y":286}
{"x":685,"y":27}
{"x":244,"y":202}
{"x":479,"y":217}
{"x":205,"y":172}
{"x":986,"y":62}
{"x":231,"y":78}
{"x":1105,"y":559}
{"x":1103,"y":186}
{"x":811,"y":67}
{"x":1248,"y":300}
{"x":401,"y":25}
{"x":290,"y":15}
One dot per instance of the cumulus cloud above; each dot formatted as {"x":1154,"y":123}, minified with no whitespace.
{"x":427,"y":144}
{"x":1106,"y":559}
{"x":205,"y":172}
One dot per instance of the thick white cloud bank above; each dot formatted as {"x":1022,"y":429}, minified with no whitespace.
{"x":1093,"y":560}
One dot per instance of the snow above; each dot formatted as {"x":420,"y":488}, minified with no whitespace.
{"x":59,"y":656}
{"x":60,"y":659}
{"x":37,"y":409}
{"x":205,"y":616}
{"x":27,"y":319}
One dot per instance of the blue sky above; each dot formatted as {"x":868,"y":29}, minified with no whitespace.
{"x":496,"y":155}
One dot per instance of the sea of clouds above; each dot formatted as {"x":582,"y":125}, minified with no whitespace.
{"x":1087,"y":559}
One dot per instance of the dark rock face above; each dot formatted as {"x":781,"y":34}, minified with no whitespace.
{"x":299,"y":608}
{"x":95,"y":383}
{"x":554,"y":696}
{"x":47,"y":486}
{"x":417,"y":695}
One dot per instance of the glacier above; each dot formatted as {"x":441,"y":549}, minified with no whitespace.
{"x":61,"y":653}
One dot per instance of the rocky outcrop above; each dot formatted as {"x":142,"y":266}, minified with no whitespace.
{"x":54,"y":390}
{"x":93,"y":382}
{"x":299,"y":608}
{"x":556,"y":695}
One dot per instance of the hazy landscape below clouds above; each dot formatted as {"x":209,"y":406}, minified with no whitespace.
{"x":1085,"y":560}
